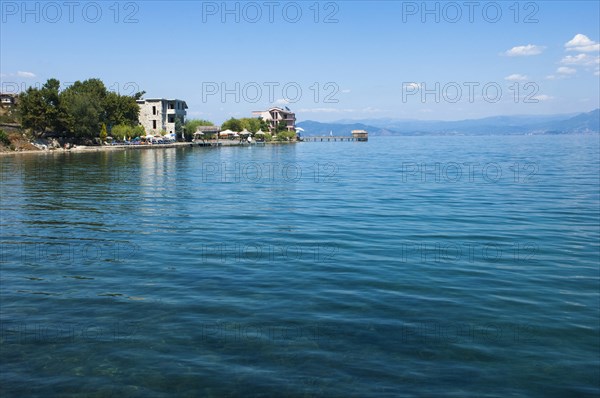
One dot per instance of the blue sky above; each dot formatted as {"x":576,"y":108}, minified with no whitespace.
{"x":325,"y":60}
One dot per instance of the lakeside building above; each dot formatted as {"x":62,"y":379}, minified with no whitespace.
{"x":360,"y":135}
{"x":8,"y":100}
{"x":276,"y":115}
{"x":159,"y":114}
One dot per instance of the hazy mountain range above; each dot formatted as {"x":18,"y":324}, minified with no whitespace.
{"x":521,"y":124}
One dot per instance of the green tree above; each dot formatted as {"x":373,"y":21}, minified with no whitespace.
{"x":251,"y":124}
{"x":285,"y":136}
{"x":139,"y":95}
{"x":84,"y":114}
{"x":281,"y":127}
{"x":233,"y":125}
{"x":4,"y":138}
{"x":264,"y":125}
{"x":41,"y":110}
{"x":192,"y":125}
{"x":121,"y":131}
{"x":178,"y":128}
{"x":103,"y":133}
{"x":138,"y":131}
{"x":79,"y":110}
{"x":120,"y":109}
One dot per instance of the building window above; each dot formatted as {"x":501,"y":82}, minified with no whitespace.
{"x":154,"y":110}
{"x":171,"y":105}
{"x":171,"y":119}
{"x":154,"y":124}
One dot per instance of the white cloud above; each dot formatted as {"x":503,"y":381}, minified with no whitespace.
{"x":282,"y":101}
{"x":564,"y":70}
{"x":543,"y":97}
{"x":27,"y":75}
{"x":369,"y":109}
{"x":580,"y":59}
{"x":582,"y":43}
{"x":346,"y":91}
{"x":323,"y":110}
{"x":515,"y":77}
{"x":339,"y":110}
{"x":520,"y":51}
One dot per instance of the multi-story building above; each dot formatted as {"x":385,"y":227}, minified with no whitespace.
{"x":8,"y":104}
{"x":275,"y":116}
{"x":159,"y":114}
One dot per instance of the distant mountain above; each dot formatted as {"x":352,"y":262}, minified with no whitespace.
{"x":582,"y":123}
{"x":520,"y":124}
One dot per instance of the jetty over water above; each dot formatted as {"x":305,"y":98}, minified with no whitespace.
{"x":357,"y":135}
{"x":325,"y":138}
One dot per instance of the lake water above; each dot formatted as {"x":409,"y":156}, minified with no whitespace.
{"x":408,"y":266}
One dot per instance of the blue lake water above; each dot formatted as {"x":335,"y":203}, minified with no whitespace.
{"x":409,"y":266}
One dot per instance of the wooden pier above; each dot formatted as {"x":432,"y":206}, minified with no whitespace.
{"x":357,"y":135}
{"x":325,"y":138}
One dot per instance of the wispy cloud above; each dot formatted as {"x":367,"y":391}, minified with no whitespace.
{"x":522,"y":51}
{"x":515,"y":77}
{"x":543,"y":97}
{"x":282,"y":101}
{"x":340,"y":110}
{"x":580,"y":59}
{"x":346,"y":91}
{"x":27,"y":75}
{"x":565,"y":70}
{"x":582,"y":43}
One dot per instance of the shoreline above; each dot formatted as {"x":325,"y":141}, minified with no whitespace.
{"x":108,"y":148}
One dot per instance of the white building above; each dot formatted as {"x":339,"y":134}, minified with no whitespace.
{"x":276,"y":115}
{"x":159,"y":114}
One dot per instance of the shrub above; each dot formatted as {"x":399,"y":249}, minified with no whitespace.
{"x":4,"y":138}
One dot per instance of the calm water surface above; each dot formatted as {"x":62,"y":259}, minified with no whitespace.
{"x":416,"y":266}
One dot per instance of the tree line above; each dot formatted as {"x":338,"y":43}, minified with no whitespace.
{"x":83,"y":110}
{"x":87,"y":110}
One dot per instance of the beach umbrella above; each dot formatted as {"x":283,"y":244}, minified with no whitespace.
{"x":299,"y":129}
{"x":236,"y":135}
{"x":259,"y":132}
{"x":198,"y":133}
{"x":225,"y":133}
{"x":245,"y":132}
